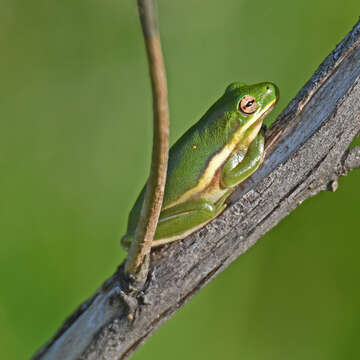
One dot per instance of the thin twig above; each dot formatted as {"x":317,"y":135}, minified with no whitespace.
{"x":150,"y":212}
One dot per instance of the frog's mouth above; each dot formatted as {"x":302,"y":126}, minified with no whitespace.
{"x":267,"y":110}
{"x":253,"y":130}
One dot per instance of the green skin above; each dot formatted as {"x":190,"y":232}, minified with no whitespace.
{"x":207,"y":163}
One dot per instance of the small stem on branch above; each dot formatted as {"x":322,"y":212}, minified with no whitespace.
{"x":137,"y":261}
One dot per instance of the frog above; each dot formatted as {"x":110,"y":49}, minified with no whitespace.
{"x":209,"y":161}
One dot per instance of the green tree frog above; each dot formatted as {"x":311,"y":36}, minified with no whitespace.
{"x":207,"y":163}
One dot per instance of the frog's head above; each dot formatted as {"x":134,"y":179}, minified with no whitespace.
{"x":250,"y":104}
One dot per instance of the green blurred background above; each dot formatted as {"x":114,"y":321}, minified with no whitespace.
{"x":75,"y":144}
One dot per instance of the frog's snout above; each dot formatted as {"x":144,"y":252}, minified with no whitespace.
{"x":272,"y":90}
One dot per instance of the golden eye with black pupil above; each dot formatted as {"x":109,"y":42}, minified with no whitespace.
{"x":248,"y":104}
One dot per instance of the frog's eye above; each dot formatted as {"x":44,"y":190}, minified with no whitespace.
{"x":248,"y":104}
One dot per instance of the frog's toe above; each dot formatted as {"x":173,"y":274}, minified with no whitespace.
{"x":126,"y":241}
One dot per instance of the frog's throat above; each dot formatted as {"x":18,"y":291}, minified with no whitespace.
{"x":219,"y":159}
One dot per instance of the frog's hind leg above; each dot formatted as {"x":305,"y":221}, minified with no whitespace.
{"x":181,"y":220}
{"x":178,"y":221}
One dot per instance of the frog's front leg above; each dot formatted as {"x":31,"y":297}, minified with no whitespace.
{"x":239,"y":167}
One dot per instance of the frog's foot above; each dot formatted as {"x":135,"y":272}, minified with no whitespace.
{"x":126,"y":241}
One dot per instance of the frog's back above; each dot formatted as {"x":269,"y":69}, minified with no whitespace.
{"x":190,"y":155}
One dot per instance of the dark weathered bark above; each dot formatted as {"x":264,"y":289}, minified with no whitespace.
{"x":311,"y":153}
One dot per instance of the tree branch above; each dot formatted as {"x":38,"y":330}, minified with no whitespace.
{"x":312,"y":152}
{"x":136,"y":265}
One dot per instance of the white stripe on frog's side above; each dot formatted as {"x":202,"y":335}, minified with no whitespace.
{"x":218,"y":160}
